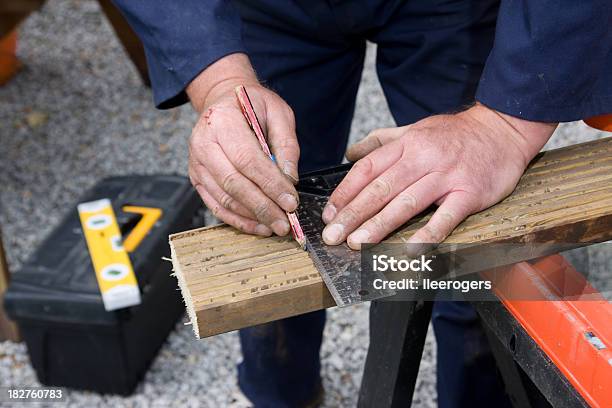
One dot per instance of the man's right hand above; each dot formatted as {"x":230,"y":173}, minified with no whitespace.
{"x":236,"y":179}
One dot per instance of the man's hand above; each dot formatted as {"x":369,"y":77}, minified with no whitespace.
{"x":464,"y":163}
{"x":227,"y":166}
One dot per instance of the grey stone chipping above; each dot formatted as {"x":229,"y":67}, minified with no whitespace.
{"x":78,"y":112}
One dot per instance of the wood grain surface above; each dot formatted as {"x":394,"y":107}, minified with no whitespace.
{"x":231,"y":280}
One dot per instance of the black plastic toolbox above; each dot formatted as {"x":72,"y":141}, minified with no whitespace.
{"x":55,"y":300}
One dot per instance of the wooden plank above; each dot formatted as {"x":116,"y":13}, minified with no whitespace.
{"x":13,"y":12}
{"x":231,"y":280}
{"x":8,"y":329}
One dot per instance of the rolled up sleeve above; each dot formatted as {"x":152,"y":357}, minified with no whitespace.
{"x":182,"y":38}
{"x":551,"y":60}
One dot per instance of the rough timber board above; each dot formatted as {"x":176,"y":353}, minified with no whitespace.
{"x":231,"y":280}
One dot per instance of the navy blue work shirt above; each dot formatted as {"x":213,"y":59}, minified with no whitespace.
{"x":551,"y":60}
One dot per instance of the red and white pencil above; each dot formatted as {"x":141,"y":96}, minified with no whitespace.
{"x":251,"y":118}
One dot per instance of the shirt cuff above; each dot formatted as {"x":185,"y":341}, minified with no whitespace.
{"x":551,"y":61}
{"x":169,"y":83}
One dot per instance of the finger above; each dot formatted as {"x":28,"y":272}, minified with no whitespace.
{"x":283,"y":140}
{"x":203,"y":177}
{"x":360,"y":175}
{"x":375,"y":139}
{"x":456,"y":207}
{"x":244,"y":191}
{"x":246,"y":156}
{"x":402,"y":208}
{"x":237,"y":221}
{"x":371,"y":200}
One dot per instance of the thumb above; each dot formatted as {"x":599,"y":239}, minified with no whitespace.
{"x":280,"y":124}
{"x":371,"y":142}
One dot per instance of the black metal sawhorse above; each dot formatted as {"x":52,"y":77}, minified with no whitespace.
{"x":397,"y":337}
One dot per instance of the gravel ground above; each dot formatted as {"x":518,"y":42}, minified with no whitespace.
{"x":77,"y":113}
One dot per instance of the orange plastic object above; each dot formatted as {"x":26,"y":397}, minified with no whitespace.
{"x":602,"y":122}
{"x":9,"y":64}
{"x":576,"y":334}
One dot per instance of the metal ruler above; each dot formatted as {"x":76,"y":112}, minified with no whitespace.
{"x":339,"y":266}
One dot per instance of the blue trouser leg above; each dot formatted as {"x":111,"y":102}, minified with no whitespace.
{"x":319,"y":80}
{"x":466,"y":367}
{"x":306,"y":60}
{"x":281,"y":361}
{"x":434,"y":68}
{"x":430,"y":54}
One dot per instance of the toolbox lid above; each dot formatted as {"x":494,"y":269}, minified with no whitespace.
{"x":58,"y":281}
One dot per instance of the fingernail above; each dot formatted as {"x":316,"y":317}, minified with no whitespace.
{"x":332,"y":234}
{"x":290,"y":170}
{"x":263,"y":230}
{"x":415,"y":247}
{"x":280,"y":227}
{"x":288,"y":202}
{"x":329,"y":212}
{"x":361,"y":236}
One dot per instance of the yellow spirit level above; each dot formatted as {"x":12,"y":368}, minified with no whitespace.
{"x":111,"y":262}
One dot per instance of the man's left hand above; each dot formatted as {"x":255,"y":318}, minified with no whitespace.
{"x":463,"y":163}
